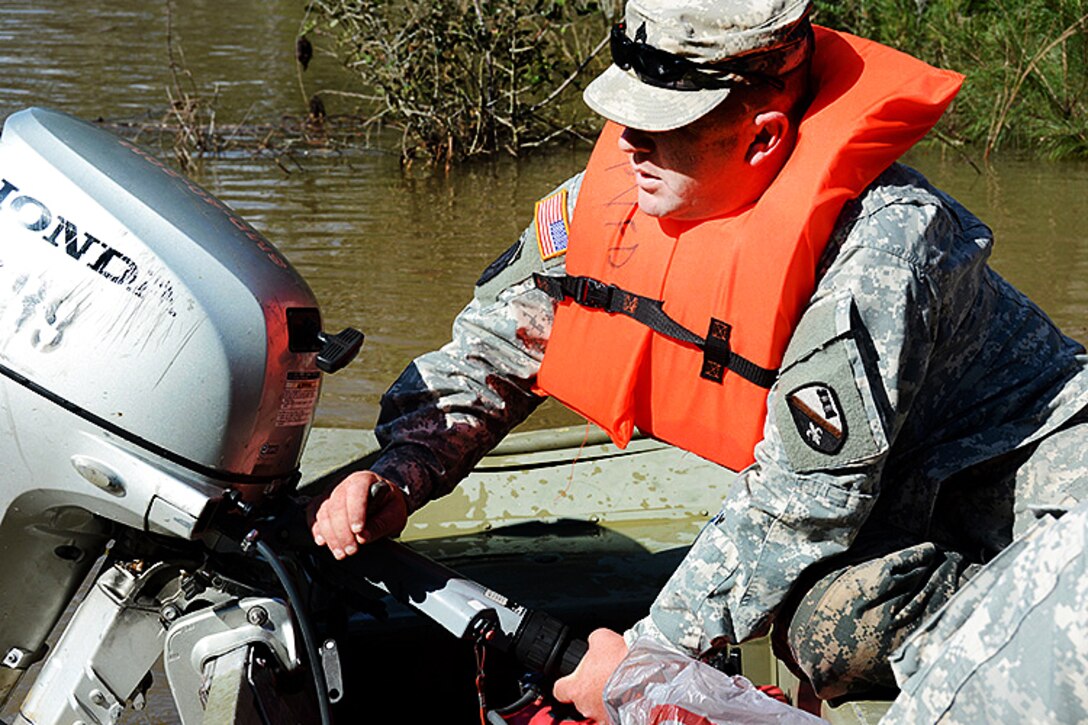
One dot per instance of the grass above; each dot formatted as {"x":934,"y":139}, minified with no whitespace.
{"x":1026,"y":63}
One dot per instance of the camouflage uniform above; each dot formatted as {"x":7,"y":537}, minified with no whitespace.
{"x":451,"y":406}
{"x":1012,"y":646}
{"x":947,"y":379}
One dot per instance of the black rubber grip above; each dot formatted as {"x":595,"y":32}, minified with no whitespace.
{"x":544,"y":644}
{"x":572,"y":655}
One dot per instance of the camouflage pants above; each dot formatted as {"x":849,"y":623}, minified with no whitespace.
{"x":843,"y":621}
{"x":1012,"y":645}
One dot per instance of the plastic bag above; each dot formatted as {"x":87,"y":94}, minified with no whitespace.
{"x":656,"y":685}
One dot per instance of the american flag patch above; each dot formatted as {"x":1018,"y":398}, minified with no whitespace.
{"x":552,"y":225}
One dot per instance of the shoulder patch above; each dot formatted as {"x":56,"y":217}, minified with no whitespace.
{"x":826,"y":391}
{"x":505,"y":260}
{"x":552,"y":225}
{"x":818,"y":416}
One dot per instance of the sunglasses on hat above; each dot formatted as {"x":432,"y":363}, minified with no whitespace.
{"x":663,"y":69}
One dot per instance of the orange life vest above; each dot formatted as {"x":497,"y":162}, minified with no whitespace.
{"x":746,"y":278}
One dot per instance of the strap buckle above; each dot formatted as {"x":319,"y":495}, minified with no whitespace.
{"x":592,"y":293}
{"x":716,"y":353}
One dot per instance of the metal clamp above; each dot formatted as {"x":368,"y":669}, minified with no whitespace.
{"x":330,"y":663}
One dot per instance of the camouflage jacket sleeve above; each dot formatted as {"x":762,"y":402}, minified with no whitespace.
{"x":451,"y":406}
{"x":863,"y":345}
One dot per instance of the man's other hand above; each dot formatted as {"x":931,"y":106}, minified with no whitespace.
{"x":584,"y":687}
{"x":362,"y":508}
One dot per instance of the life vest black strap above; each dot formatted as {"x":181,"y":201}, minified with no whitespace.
{"x":717,"y":355}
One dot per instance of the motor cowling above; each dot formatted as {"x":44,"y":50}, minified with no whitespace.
{"x":138,"y":302}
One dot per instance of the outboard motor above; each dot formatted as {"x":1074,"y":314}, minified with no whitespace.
{"x":157,"y":357}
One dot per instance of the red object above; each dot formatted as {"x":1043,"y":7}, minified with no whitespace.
{"x":540,"y":713}
{"x":774,"y":691}
{"x":675,"y":715}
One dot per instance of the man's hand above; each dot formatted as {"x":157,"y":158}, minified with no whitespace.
{"x":348,"y":516}
{"x":584,"y":688}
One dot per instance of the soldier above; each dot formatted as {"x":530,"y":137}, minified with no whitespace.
{"x":743,"y":270}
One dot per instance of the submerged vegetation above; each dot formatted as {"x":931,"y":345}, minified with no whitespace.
{"x":462,"y":78}
{"x":190,"y":129}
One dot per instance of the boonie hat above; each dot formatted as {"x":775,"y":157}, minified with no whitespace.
{"x":676,"y":60}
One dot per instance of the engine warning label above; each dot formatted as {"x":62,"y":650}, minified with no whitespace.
{"x":299,"y":398}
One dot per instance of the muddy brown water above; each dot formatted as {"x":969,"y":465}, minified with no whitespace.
{"x":397,"y":255}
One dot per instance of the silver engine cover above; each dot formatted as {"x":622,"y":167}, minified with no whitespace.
{"x":154,"y":351}
{"x":133,"y":298}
